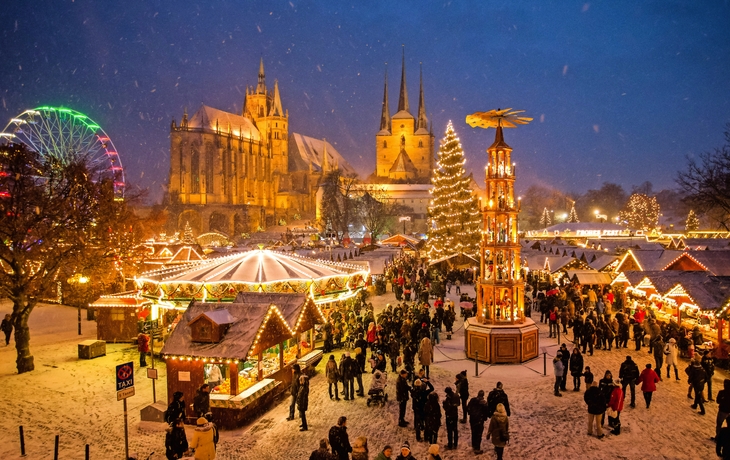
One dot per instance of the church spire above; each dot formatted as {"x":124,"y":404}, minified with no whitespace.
{"x":403,"y":99}
{"x":385,"y":115}
{"x":422,"y":122}
{"x":261,"y":88}
{"x":276,"y":110}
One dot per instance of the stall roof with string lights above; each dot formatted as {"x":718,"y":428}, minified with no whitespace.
{"x":257,"y":271}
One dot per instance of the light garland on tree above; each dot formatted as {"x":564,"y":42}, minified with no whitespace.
{"x":641,"y":212}
{"x":693,"y":222}
{"x":454,"y":219}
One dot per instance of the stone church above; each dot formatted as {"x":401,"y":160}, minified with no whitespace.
{"x":404,"y":144}
{"x":239,"y":173}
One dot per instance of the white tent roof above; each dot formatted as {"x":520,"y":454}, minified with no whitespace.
{"x":257,"y":266}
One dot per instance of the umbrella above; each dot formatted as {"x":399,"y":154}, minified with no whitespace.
{"x":552,"y":292}
{"x":466,"y":304}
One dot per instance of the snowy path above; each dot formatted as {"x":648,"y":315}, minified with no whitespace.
{"x":76,"y":399}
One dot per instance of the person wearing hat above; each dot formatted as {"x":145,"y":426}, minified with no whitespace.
{"x":296,"y":371}
{"x":671,"y":351}
{"x":433,"y":452}
{"x":203,"y":442}
{"x":143,"y":346}
{"x":405,"y":452}
{"x":615,"y":406}
{"x":425,"y":354}
{"x":420,"y":394}
{"x":201,"y":401}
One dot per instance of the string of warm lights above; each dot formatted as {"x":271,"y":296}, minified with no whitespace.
{"x":454,"y":219}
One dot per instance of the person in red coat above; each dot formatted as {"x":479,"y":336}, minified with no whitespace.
{"x":648,"y":380}
{"x":143,"y":346}
{"x":615,"y":406}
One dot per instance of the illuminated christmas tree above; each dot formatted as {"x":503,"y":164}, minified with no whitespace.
{"x":454,"y":218}
{"x":188,"y":237}
{"x":573,"y":217}
{"x":693,"y":223}
{"x":641,"y":212}
{"x":545,"y":220}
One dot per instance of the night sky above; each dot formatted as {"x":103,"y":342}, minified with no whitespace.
{"x":621,"y":91}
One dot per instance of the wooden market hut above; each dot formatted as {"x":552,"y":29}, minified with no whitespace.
{"x":259,"y":338}
{"x":118,"y":316}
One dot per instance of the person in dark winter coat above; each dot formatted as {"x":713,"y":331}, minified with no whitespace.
{"x":432,"y":418}
{"x":201,"y":402}
{"x":588,"y":376}
{"x":176,"y":409}
{"x":323,"y":453}
{"x":303,"y":400}
{"x":588,"y":331}
{"x":405,"y":452}
{"x":419,"y":393}
{"x":402,"y":392}
{"x":596,"y":408}
{"x":723,"y":406}
{"x":629,"y":373}
{"x":497,"y":396}
{"x":722,"y":449}
{"x":294,"y":389}
{"x":606,"y":386}
{"x":575,"y":366}
{"x":708,"y":364}
{"x":462,"y":389}
{"x":339,"y":439}
{"x":451,"y":413}
{"x":176,"y":443}
{"x":347,"y":373}
{"x":477,"y":410}
{"x":697,"y":377}
{"x":7,"y":328}
{"x":359,"y":369}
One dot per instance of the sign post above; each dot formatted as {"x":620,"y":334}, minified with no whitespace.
{"x":125,"y":389}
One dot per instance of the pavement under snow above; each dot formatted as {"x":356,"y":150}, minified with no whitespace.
{"x":77,"y":400}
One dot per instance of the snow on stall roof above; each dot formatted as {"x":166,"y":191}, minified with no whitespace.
{"x":220,"y":316}
{"x":256,"y":266}
{"x":249,"y":310}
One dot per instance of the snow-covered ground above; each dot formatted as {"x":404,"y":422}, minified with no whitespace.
{"x":76,"y":399}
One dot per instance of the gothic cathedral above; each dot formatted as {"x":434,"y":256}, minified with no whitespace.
{"x":405,"y":144}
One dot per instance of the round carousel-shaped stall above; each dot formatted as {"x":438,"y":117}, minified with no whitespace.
{"x":250,"y":317}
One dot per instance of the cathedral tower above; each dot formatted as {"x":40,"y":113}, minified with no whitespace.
{"x":404,"y":144}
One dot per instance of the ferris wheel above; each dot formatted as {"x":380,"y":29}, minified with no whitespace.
{"x":65,"y":135}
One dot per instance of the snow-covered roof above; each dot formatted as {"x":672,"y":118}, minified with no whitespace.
{"x":649,"y":260}
{"x":249,"y":311}
{"x":220,"y":316}
{"x":716,"y":262}
{"x":257,"y":266}
{"x":589,"y":276}
{"x":403,"y":164}
{"x":207,"y":117}
{"x":304,"y":150}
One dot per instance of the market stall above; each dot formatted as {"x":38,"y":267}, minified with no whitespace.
{"x":243,"y":349}
{"x":120,"y":317}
